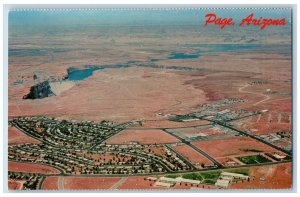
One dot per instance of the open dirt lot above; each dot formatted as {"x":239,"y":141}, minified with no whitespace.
{"x":201,"y":131}
{"x":268,"y":177}
{"x":31,"y":168}
{"x":233,"y":147}
{"x":267,"y":128}
{"x":16,"y":136}
{"x":70,"y":183}
{"x":136,"y":182}
{"x":163,"y":123}
{"x":15,"y":185}
{"x":50,"y":183}
{"x":151,"y":136}
{"x":192,"y":155}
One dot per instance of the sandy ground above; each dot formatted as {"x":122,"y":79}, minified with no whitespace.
{"x":119,"y":95}
{"x":151,"y":136}
{"x":31,"y":168}
{"x":232,"y":146}
{"x":16,"y":136}
{"x":268,"y":177}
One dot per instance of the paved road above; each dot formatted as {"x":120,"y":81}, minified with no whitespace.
{"x":39,"y":186}
{"x":60,"y":183}
{"x":195,"y":148}
{"x":163,"y":173}
{"x":206,"y":155}
{"x":182,"y":157}
{"x":119,"y":183}
{"x":161,"y":128}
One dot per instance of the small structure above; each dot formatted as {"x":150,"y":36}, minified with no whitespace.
{"x":163,"y":184}
{"x":228,"y":177}
{"x":168,"y":180}
{"x":190,"y":120}
{"x":223,"y":111}
{"x":182,"y":180}
{"x":225,"y":175}
{"x":134,"y":143}
{"x":222,"y":183}
{"x":262,"y":179}
{"x":277,"y":156}
{"x":150,"y":178}
{"x":174,"y":181}
{"x":231,"y":163}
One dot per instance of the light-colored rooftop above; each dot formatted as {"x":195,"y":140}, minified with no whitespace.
{"x":235,"y":175}
{"x":180,"y":179}
{"x":166,"y":179}
{"x":163,"y":184}
{"x":222,"y":183}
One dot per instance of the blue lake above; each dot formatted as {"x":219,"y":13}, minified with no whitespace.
{"x":183,"y":56}
{"x":81,"y":74}
{"x":207,"y":49}
{"x":176,"y":56}
{"x":75,"y":74}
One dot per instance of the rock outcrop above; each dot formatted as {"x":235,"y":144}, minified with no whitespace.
{"x":39,"y":91}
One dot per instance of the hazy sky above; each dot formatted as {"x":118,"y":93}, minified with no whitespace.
{"x":133,"y":17}
{"x":61,"y":22}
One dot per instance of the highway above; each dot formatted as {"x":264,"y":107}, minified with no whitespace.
{"x":195,"y":148}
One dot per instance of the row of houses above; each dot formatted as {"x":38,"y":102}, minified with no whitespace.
{"x":226,"y":178}
{"x":66,"y":133}
{"x":170,"y":182}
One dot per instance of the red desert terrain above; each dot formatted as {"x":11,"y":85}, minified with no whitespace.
{"x":16,"y":136}
{"x":192,"y":155}
{"x":31,"y":168}
{"x":232,"y":147}
{"x":268,"y":177}
{"x":146,"y":136}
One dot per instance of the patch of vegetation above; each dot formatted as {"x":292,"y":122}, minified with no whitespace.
{"x":180,"y":118}
{"x":205,"y":177}
{"x":193,"y":176}
{"x":172,"y":176}
{"x":209,"y":181}
{"x":253,"y":159}
{"x":244,"y":171}
{"x":212,"y":175}
{"x":177,"y":118}
{"x":287,"y":158}
{"x":251,"y":150}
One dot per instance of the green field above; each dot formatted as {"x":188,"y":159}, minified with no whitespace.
{"x":205,"y":177}
{"x":174,"y":176}
{"x":210,"y":177}
{"x":180,"y":118}
{"x":253,"y":159}
{"x":193,"y":176}
{"x":244,"y":171}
